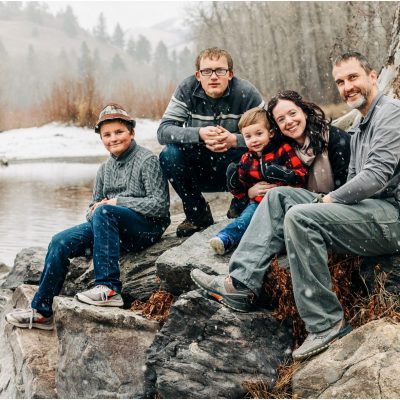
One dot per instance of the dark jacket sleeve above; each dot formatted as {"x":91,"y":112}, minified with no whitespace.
{"x":234,"y":183}
{"x":289,"y":170}
{"x":172,"y":129}
{"x":339,"y":154}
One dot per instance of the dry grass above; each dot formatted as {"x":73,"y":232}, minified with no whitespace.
{"x":145,"y":103}
{"x":156,"y":307}
{"x":282,"y":389}
{"x":279,"y":287}
{"x":379,"y":304}
{"x":74,"y":102}
{"x":359,"y":308}
{"x":79,"y":101}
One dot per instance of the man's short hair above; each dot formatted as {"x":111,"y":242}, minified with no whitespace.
{"x":214,"y":53}
{"x":253,"y":116}
{"x":365,"y":65}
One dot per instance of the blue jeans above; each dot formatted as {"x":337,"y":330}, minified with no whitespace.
{"x":236,"y":229}
{"x":112,"y":228}
{"x":193,"y":169}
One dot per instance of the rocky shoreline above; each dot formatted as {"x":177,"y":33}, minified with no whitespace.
{"x":203,"y":350}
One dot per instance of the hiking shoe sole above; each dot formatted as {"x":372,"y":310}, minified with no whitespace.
{"x":226,"y":301}
{"x":103,"y":303}
{"x":44,"y":327}
{"x":343,"y":332}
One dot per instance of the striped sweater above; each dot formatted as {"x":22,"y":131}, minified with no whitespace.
{"x":190,"y":109}
{"x":136,"y":180}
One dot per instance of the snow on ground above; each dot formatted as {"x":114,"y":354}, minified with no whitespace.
{"x":62,"y":141}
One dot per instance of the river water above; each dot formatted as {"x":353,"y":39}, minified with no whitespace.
{"x":38,"y":200}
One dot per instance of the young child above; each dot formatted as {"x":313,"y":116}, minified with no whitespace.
{"x":269,"y":160}
{"x":129,"y":210}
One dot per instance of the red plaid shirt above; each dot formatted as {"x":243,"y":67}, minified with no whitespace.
{"x":251,"y":170}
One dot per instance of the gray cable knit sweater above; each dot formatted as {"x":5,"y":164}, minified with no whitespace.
{"x":136,"y":180}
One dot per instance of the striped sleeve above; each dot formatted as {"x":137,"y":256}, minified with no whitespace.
{"x":171,"y":129}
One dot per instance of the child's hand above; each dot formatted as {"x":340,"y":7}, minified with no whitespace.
{"x":259,"y":189}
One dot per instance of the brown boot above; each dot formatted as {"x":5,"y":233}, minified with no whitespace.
{"x":187,"y":227}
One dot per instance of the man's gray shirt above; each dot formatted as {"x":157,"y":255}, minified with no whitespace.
{"x":375,"y":155}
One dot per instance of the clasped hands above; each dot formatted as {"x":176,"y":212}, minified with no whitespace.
{"x":111,"y":202}
{"x":217,"y":138}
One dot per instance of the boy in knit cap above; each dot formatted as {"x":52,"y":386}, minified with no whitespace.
{"x":129,"y":211}
{"x":268,"y":160}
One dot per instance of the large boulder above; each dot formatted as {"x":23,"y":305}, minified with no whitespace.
{"x":363,"y":364}
{"x":205,"y":350}
{"x":28,"y":266}
{"x":28,"y":357}
{"x":174,"y":266}
{"x":101,"y":351}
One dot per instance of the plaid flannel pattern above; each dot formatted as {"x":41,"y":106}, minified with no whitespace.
{"x":249,"y":168}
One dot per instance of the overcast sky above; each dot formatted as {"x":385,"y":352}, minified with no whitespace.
{"x":127,"y":13}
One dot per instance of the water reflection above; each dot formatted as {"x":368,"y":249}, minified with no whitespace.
{"x":37,"y":200}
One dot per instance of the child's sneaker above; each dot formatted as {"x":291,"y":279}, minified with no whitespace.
{"x":101,"y":295}
{"x":29,"y":318}
{"x":220,"y":244}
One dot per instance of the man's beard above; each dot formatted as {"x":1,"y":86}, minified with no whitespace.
{"x":361,"y":102}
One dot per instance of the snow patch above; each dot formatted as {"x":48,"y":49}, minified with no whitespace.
{"x":56,"y":140}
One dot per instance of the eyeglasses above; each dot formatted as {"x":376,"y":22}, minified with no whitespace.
{"x":209,"y":71}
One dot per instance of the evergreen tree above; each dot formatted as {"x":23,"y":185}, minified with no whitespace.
{"x":100,"y":30}
{"x":185,"y":63}
{"x":161,"y":60}
{"x":118,"y":37}
{"x":117,"y":64}
{"x":174,"y":66}
{"x":85,"y":61}
{"x":69,"y":22}
{"x":143,"y":49}
{"x":96,"y":58}
{"x":131,"y":48}
{"x":161,"y":64}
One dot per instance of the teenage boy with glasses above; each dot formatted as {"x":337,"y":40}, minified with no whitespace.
{"x":200,"y":131}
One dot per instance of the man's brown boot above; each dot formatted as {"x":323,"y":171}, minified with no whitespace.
{"x":187,"y":227}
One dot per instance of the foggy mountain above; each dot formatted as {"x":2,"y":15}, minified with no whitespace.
{"x":38,"y":49}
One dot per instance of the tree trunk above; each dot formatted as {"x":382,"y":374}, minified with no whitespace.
{"x":389,"y":77}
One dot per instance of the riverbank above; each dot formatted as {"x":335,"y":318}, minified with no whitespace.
{"x":58,"y":142}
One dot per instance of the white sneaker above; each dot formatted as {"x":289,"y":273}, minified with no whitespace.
{"x":101,"y":295}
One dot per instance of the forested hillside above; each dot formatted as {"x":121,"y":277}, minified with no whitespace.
{"x":53,"y":70}
{"x":280,"y":45}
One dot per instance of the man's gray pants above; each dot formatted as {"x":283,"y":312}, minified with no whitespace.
{"x":287,"y":218}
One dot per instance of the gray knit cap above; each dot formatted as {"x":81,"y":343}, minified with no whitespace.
{"x":113,"y":111}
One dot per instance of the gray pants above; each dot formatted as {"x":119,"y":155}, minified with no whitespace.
{"x":286,"y":217}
